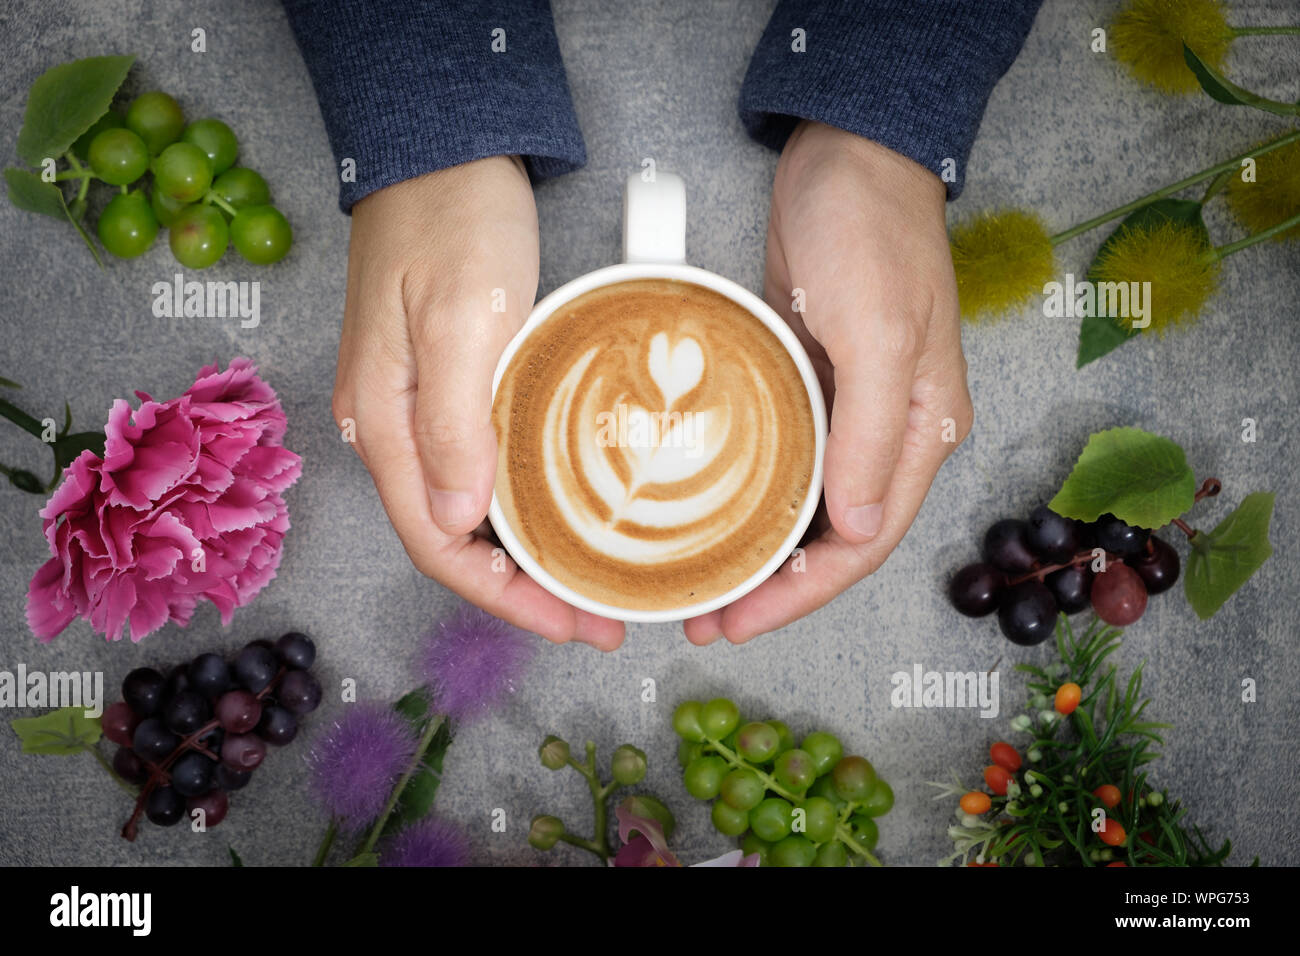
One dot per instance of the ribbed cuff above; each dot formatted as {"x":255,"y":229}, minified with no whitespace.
{"x":914,"y":77}
{"x":408,"y":87}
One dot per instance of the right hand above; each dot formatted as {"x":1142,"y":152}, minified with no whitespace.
{"x":419,"y":347}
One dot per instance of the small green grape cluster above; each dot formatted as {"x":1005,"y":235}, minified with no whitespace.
{"x":197,"y":192}
{"x":809,"y":805}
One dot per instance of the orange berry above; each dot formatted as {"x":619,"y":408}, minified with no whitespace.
{"x":976,"y":803}
{"x":1111,"y":832}
{"x":1108,"y":794}
{"x":1117,"y":863}
{"x":997,"y":779}
{"x":1005,"y":756}
{"x":1067,"y":698}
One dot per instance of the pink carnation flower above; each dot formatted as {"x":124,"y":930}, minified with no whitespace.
{"x":184,"y":506}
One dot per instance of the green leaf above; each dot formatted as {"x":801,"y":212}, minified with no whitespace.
{"x":420,"y":791}
{"x":1102,"y":333}
{"x":65,"y":101}
{"x":1140,"y":478}
{"x":67,"y":448}
{"x":64,"y":731}
{"x":1222,"y":560}
{"x":364,"y":859}
{"x":234,"y":857}
{"x":1220,"y":88}
{"x":415,"y":708}
{"x":28,"y":191}
{"x":651,"y":808}
{"x":6,"y":383}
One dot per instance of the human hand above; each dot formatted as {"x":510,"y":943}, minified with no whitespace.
{"x":419,"y":347}
{"x":860,"y":229}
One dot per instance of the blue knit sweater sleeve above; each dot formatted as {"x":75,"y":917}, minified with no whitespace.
{"x":912,"y":76}
{"x":407,"y":87}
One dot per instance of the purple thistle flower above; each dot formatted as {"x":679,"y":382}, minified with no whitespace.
{"x":471,"y":662}
{"x":430,"y":842}
{"x":356,"y":762}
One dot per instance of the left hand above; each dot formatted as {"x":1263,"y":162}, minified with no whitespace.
{"x":860,"y":229}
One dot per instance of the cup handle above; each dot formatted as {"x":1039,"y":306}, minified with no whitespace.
{"x":654,"y":218}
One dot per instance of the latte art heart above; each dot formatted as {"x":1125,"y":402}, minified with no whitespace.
{"x":656,"y":444}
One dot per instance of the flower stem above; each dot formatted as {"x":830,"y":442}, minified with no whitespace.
{"x":1172,"y":188}
{"x":20,"y":418}
{"x":1263,"y":31}
{"x":1216,"y":184}
{"x":434,"y":723}
{"x":103,"y":762}
{"x":1227,"y":250}
{"x":327,"y":841}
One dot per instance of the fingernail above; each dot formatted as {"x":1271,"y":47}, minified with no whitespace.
{"x":451,"y":508}
{"x":865,"y":519}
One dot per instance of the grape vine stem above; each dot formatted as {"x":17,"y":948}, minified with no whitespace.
{"x":426,"y":739}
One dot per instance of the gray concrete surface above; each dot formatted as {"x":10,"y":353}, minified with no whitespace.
{"x":1065,"y":131}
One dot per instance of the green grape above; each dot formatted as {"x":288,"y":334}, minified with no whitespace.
{"x":183,"y":172}
{"x":783,"y":732}
{"x":127,"y":226}
{"x":199,"y":236}
{"x":686,"y":721}
{"x":703,"y":777}
{"x":110,"y":120}
{"x":794,"y":770}
{"x":157,"y":119}
{"x":819,"y":819}
{"x":794,"y":850}
{"x":757,"y":742}
{"x":831,"y":854}
{"x":729,"y":821}
{"x":216,"y":140}
{"x":118,"y":157}
{"x":880,"y":799}
{"x":687,"y":751}
{"x":752,"y":844}
{"x":166,"y":208}
{"x":242,"y":187}
{"x":865,"y":830}
{"x":825,"y":787}
{"x":719,"y":717}
{"x":853,"y":778}
{"x":742,"y":789}
{"x":825,"y":749}
{"x":771,"y":819}
{"x":261,"y":234}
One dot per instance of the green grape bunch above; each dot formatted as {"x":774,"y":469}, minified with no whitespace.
{"x":169,"y":174}
{"x":810,"y":805}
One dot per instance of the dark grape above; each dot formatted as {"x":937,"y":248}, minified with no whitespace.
{"x":239,"y":711}
{"x":186,"y":712}
{"x":1006,"y":546}
{"x":1119,"y":538}
{"x":277,"y":726}
{"x":296,"y":650}
{"x":213,"y":739}
{"x":243,"y":751}
{"x":1118,"y":595}
{"x":1028,"y":613}
{"x":118,"y":723}
{"x":192,"y":774}
{"x":128,"y":765}
{"x":153,"y":741}
{"x":164,"y":807}
{"x":255,"y":667}
{"x":142,"y":690}
{"x":976,"y":589}
{"x":299,"y":692}
{"x":209,"y":674}
{"x":1157,"y":567}
{"x":178,"y":680}
{"x":1051,"y":537}
{"x":214,"y":805}
{"x":1071,"y":587}
{"x":228,"y":779}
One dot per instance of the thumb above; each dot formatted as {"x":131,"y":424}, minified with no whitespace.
{"x":874,"y":373}
{"x":456,"y":355}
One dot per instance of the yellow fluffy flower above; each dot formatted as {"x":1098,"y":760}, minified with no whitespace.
{"x":1147,"y":36}
{"x":1172,"y":257}
{"x":1002,"y":260}
{"x":1273,"y":196}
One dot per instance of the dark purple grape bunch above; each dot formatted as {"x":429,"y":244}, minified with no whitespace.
{"x":1033,"y":570}
{"x":190,"y":738}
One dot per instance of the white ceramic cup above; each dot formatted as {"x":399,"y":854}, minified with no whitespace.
{"x":654,"y":247}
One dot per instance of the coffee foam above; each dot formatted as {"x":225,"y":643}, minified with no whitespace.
{"x":656,"y":444}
